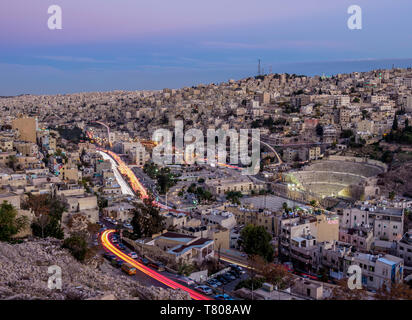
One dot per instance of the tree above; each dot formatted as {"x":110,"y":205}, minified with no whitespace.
{"x":319,"y":130}
{"x":146,"y":219}
{"x":285,"y":207}
{"x":203,"y":195}
{"x":10,"y":225}
{"x":165,"y":180}
{"x":395,"y":123}
{"x":77,"y":245}
{"x":345,"y":134}
{"x":342,"y":292}
{"x":48,"y":210}
{"x":314,"y":203}
{"x":233,"y":196}
{"x":12,"y":163}
{"x":387,"y":156}
{"x":255,"y":240}
{"x":275,"y":274}
{"x":397,"y":291}
{"x":192,"y":188}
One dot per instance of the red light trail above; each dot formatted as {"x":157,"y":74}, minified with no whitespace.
{"x":107,"y":244}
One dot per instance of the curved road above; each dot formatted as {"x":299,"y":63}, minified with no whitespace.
{"x":108,"y":245}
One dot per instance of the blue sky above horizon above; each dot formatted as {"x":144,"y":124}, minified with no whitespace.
{"x":132,"y":44}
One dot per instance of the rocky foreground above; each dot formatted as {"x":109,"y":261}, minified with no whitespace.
{"x":24,"y":275}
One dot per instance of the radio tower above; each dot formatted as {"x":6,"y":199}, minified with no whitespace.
{"x":259,"y":71}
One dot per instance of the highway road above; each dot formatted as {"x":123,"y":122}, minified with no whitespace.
{"x":119,"y":178}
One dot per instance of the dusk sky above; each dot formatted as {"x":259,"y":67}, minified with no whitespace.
{"x":131,"y":44}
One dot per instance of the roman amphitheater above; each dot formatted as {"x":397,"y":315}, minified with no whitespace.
{"x":337,"y":176}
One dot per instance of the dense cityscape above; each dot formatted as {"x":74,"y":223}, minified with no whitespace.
{"x":81,"y":190}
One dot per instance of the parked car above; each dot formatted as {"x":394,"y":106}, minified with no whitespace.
{"x":218,"y":283}
{"x":237,"y":268}
{"x":127,"y":225}
{"x":187,"y":281}
{"x":212,"y":283}
{"x":109,"y":256}
{"x":234,"y":273}
{"x":121,"y":246}
{"x":229,"y":277}
{"x":157,"y":266}
{"x":204,"y":289}
{"x":133,"y":255}
{"x":145,"y":261}
{"x":117,"y":262}
{"x":223,"y":296}
{"x":222,"y":279}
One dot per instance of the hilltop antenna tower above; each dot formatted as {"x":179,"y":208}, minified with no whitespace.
{"x":259,"y":70}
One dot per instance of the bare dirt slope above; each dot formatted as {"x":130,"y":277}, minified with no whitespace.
{"x":399,"y":179}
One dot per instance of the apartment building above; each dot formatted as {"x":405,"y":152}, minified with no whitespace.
{"x":256,"y":217}
{"x":26,"y":128}
{"x":360,"y":237}
{"x":379,"y":269}
{"x":70,"y":172}
{"x":387,"y":223}
{"x":223,"y":218}
{"x":220,"y":235}
{"x":184,"y":248}
{"x":299,"y":236}
{"x":26,"y":148}
{"x":291,"y":155}
{"x":6,"y":144}
{"x":138,"y":155}
{"x":314,"y":153}
{"x":120,"y":211}
{"x":404,"y":248}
